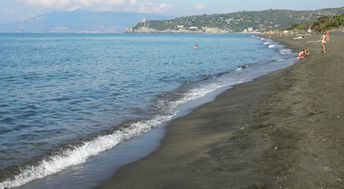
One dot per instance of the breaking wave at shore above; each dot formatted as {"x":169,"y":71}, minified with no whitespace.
{"x":80,"y":153}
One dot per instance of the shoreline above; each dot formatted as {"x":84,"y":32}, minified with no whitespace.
{"x":269,"y":133}
{"x":187,"y":107}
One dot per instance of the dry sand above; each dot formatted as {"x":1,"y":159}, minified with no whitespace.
{"x":283,"y":130}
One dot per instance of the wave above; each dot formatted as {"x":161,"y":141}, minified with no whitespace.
{"x":82,"y":152}
{"x":285,"y":51}
{"x":271,"y":46}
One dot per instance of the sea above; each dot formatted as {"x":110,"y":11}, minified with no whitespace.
{"x":74,"y":108}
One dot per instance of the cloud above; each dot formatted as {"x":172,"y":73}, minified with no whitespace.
{"x":61,"y":4}
{"x":10,"y":12}
{"x":160,"y":8}
{"x":116,"y":5}
{"x":200,"y":6}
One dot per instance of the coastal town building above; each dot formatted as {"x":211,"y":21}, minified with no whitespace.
{"x":193,"y":28}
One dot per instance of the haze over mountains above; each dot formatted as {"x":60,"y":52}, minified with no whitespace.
{"x":80,"y":21}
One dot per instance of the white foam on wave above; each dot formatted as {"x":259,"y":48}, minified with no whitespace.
{"x":271,"y":46}
{"x":82,"y":153}
{"x":266,"y":43}
{"x":195,"y":94}
{"x":285,"y":51}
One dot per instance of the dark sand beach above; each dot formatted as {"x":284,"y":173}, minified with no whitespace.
{"x":283,"y":130}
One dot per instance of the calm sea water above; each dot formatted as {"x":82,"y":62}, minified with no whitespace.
{"x":67,"y":97}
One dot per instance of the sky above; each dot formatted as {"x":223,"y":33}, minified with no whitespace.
{"x":13,"y":10}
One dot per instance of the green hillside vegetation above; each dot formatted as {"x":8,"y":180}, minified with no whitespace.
{"x":323,"y":24}
{"x":237,"y":22}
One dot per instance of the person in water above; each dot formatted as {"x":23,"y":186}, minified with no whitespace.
{"x":323,"y":43}
{"x":196,"y":46}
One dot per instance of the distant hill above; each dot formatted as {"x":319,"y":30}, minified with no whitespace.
{"x":323,"y":24}
{"x":235,"y":22}
{"x":80,"y":21}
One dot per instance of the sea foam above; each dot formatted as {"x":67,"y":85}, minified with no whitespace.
{"x":81,"y":153}
{"x":285,"y":51}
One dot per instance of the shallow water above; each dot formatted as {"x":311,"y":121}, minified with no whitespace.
{"x":67,"y":97}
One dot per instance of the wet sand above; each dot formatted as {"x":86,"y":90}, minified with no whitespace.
{"x":283,"y":130}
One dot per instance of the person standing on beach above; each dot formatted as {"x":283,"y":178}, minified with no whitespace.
{"x":323,"y":43}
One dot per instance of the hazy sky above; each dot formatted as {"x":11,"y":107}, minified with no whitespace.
{"x":11,"y":10}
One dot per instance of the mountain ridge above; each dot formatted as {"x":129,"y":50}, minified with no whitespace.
{"x":79,"y":21}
